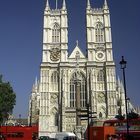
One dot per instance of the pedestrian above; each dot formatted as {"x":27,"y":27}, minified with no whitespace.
{"x":109,"y":137}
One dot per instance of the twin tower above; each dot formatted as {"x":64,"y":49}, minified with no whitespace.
{"x":70,"y":82}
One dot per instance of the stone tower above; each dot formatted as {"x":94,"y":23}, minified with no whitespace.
{"x":55,"y":55}
{"x":100,"y":60}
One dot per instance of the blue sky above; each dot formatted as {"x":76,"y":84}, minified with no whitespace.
{"x":21,"y":24}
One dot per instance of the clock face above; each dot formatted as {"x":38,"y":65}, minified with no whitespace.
{"x":100,"y":55}
{"x":55,"y":54}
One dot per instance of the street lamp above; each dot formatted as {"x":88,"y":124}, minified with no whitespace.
{"x":123,"y":66}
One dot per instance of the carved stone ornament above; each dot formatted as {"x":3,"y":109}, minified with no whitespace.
{"x":101,"y":98}
{"x":54,"y":98}
{"x":55,"y":54}
{"x":100,"y":47}
{"x":100,"y":55}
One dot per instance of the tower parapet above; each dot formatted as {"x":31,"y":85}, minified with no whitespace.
{"x":97,"y":11}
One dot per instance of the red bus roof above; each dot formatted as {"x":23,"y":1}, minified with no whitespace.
{"x":117,"y":120}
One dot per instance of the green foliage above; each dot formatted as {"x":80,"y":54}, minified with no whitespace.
{"x":7,"y":99}
{"x":119,"y":117}
{"x":132,"y":115}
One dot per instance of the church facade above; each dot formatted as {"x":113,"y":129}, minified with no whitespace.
{"x":70,"y":82}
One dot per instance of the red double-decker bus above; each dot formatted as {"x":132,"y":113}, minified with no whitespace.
{"x":121,"y":127}
{"x":18,"y":132}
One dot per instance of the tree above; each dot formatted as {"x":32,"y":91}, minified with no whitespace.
{"x":132,"y":115}
{"x":7,"y":99}
{"x":119,"y":117}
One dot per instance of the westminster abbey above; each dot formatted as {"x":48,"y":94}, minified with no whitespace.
{"x":70,"y":82}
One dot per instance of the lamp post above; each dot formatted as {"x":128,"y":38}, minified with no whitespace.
{"x":123,"y":66}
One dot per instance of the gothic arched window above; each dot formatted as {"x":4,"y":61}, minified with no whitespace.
{"x":100,"y":76}
{"x":73,"y":88}
{"x":56,"y":33}
{"x":54,"y":81}
{"x":99,"y":32}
